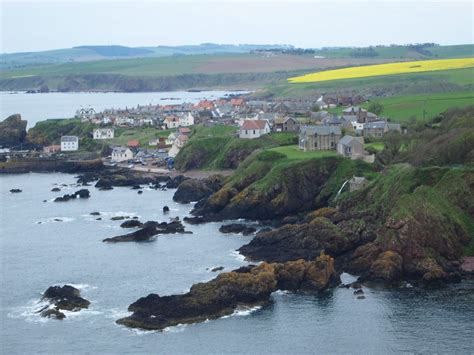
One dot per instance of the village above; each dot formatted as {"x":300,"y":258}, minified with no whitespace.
{"x":315,"y":122}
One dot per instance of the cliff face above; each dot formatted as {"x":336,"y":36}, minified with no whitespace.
{"x":408,"y":224}
{"x":268,"y":186}
{"x":12,"y":131}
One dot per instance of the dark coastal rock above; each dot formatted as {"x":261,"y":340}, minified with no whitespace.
{"x":15,"y":191}
{"x":136,"y":187}
{"x":149,"y":230}
{"x":108,"y":178}
{"x":104,"y":185}
{"x":222,"y":295}
{"x":195,"y":220}
{"x":192,"y":190}
{"x":301,"y":241}
{"x":62,"y":298}
{"x":139,"y":192}
{"x":53,"y":313}
{"x":55,"y":189}
{"x":12,"y":131}
{"x":174,"y":182}
{"x":237,"y":228}
{"x":166,"y":209}
{"x":118,"y":218}
{"x":219,"y":268}
{"x":83,"y":193}
{"x":95,"y":213}
{"x":132,"y":223}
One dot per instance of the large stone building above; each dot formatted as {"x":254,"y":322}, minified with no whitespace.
{"x":319,"y":137}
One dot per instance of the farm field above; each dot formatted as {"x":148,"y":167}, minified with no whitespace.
{"x":385,"y":69}
{"x":142,"y":134}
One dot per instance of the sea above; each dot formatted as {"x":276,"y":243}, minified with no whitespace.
{"x":44,"y":243}
{"x":41,"y":106}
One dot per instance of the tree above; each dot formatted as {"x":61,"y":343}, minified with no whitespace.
{"x":315,"y":108}
{"x":376,"y":108}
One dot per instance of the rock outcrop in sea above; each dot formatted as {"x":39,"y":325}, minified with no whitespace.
{"x":149,"y":230}
{"x":82,"y":193}
{"x":62,"y":298}
{"x":12,"y":131}
{"x":221,"y":296}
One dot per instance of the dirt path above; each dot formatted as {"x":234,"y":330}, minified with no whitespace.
{"x":198,"y":174}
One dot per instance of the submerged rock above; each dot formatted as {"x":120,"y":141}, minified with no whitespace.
{"x":62,"y":298}
{"x":118,"y":218}
{"x":166,"y":209}
{"x":149,"y":230}
{"x":55,"y":189}
{"x":219,"y":268}
{"x":15,"y":191}
{"x":222,"y":295}
{"x":95,"y":213}
{"x":237,"y":228}
{"x":83,"y":193}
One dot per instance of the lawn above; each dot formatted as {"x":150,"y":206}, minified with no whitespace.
{"x":376,"y":146}
{"x":293,"y":152}
{"x":142,"y":134}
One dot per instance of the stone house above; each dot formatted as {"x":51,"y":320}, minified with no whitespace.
{"x":254,"y":129}
{"x":375,"y":129}
{"x":319,"y":137}
{"x":285,"y":124}
{"x":351,"y":147}
{"x":171,"y":122}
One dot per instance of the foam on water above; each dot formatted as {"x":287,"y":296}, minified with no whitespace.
{"x":236,"y":255}
{"x":55,"y":220}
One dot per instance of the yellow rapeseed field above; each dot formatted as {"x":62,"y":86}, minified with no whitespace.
{"x":385,"y":69}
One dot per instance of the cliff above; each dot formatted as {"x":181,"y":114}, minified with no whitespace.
{"x":12,"y":131}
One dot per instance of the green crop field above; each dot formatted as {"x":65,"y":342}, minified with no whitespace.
{"x":402,"y":108}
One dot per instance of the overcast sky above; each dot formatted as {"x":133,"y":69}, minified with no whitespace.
{"x":40,"y":25}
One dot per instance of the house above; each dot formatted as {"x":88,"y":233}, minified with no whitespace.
{"x":181,"y":140}
{"x":394,"y":127}
{"x":186,"y":120}
{"x":357,"y":183}
{"x":69,"y":143}
{"x":375,"y":129}
{"x":351,"y":147}
{"x":319,"y":137}
{"x":184,"y":130}
{"x":284,"y":124}
{"x":52,"y":149}
{"x":237,"y":102}
{"x":171,"y":138}
{"x":171,"y":122}
{"x":120,"y":154}
{"x":134,"y":144}
{"x":254,"y":129}
{"x":103,"y":133}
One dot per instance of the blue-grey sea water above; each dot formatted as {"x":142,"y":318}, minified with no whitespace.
{"x":36,"y":252}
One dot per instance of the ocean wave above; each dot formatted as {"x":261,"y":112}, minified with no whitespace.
{"x":236,"y":255}
{"x":348,"y":278}
{"x":242,"y":311}
{"x":55,"y":220}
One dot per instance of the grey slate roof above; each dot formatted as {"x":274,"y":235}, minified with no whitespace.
{"x":321,"y":130}
{"x":375,"y":125}
{"x":69,"y":139}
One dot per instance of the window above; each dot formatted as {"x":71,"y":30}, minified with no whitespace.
{"x":253,"y":131}
{"x":332,"y":144}
{"x":315,"y":144}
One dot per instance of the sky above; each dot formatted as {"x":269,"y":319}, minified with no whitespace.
{"x":40,"y":25}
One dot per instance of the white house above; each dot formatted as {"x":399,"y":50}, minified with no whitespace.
{"x":69,"y":143}
{"x":103,"y":133}
{"x":121,"y":154}
{"x":254,"y":129}
{"x":171,"y":122}
{"x":186,"y":120}
{"x":171,"y":138}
